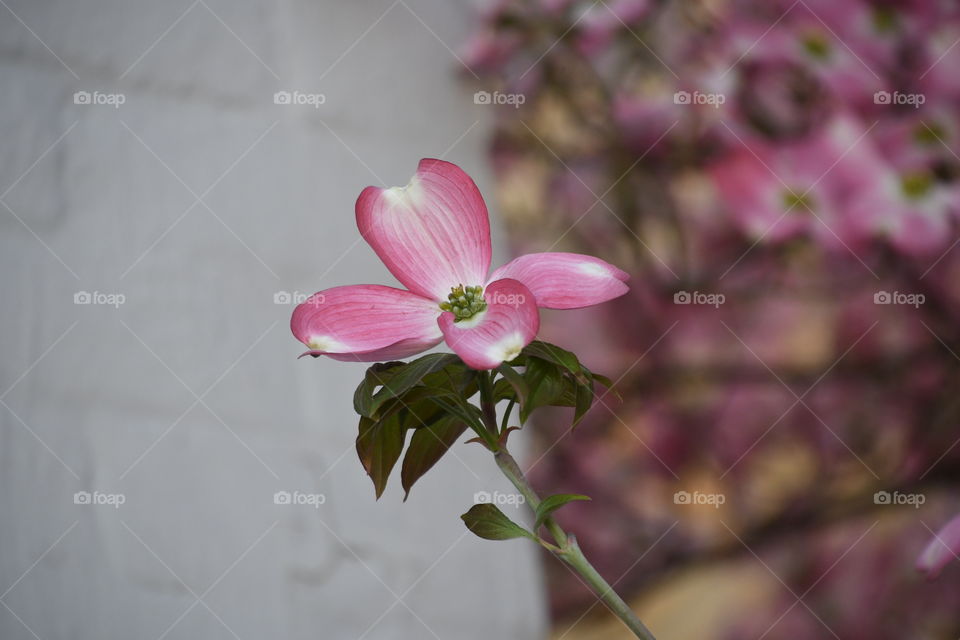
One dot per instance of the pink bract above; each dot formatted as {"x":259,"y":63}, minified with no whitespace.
{"x":434,"y":235}
{"x":825,"y":187}
{"x":942,"y":549}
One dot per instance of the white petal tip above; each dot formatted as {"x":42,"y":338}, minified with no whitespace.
{"x":326,"y":343}
{"x":409,"y":195}
{"x":508,"y":348}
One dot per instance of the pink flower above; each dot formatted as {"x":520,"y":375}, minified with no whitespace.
{"x":434,"y":237}
{"x":600,"y":23}
{"x":910,"y":204}
{"x":644,"y":121}
{"x":941,"y":550}
{"x":809,"y":187}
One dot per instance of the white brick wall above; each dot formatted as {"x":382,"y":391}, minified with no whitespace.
{"x":98,"y":398}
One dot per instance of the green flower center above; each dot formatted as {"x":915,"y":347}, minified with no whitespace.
{"x":464,"y":302}
{"x":929,"y":134}
{"x":884,"y":19}
{"x":817,"y":45}
{"x":793,"y":199}
{"x":916,"y":185}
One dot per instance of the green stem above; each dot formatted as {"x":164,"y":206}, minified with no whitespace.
{"x":566,"y":548}
{"x":575,"y":558}
{"x":487,"y":405}
{"x":569,"y":551}
{"x":508,"y":465}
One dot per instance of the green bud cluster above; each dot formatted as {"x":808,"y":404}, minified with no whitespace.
{"x":464,"y":302}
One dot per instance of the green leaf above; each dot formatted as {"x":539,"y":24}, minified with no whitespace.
{"x":456,"y":377}
{"x":488,"y":522}
{"x":606,"y":382}
{"x":426,"y":447}
{"x":575,"y":381}
{"x":545,"y":382}
{"x":584,"y":397}
{"x":375,"y":376}
{"x":457,"y":406}
{"x":552,"y":353}
{"x":503,"y":390}
{"x":404,"y":378}
{"x":379,"y":444}
{"x":515,"y":380}
{"x":420,"y":406}
{"x":416,"y":408}
{"x":551,"y":504}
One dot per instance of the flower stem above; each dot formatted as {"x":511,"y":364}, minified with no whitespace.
{"x":566,"y":547}
{"x":569,"y":551}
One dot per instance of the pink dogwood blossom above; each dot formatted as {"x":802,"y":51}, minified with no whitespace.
{"x":943,"y":548}
{"x":434,"y":237}
{"x":776,"y":192}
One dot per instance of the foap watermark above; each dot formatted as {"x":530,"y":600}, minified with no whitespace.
{"x":899,"y":98}
{"x":298,"y":297}
{"x":699,"y":297}
{"x":497,"y":498}
{"x":497,"y":97}
{"x":299,"y":498}
{"x":99,"y":298}
{"x":896,"y":297}
{"x":698,"y":498}
{"x":299,"y":97}
{"x":98,"y":498}
{"x":510,"y":299}
{"x":99,"y":98}
{"x":896,"y":498}
{"x":699,"y":97}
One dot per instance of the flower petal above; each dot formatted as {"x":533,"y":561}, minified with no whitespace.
{"x":432,"y":234}
{"x":944,"y":547}
{"x":366,"y":323}
{"x":497,"y":334}
{"x":566,"y":280}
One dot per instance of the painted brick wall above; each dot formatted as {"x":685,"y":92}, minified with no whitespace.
{"x":183,"y":212}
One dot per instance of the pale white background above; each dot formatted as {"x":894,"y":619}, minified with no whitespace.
{"x":198,"y":199}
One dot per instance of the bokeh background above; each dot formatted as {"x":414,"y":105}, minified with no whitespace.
{"x":780,"y":179}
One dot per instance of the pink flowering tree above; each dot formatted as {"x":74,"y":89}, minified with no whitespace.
{"x":781,"y":180}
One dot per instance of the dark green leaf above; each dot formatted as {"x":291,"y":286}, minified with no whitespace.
{"x":487,"y":521}
{"x":416,"y":406}
{"x":379,"y":444}
{"x":419,"y":407}
{"x":584,"y":396}
{"x":457,"y":406}
{"x":552,"y":353}
{"x":503,"y":390}
{"x":515,"y":380}
{"x":607,"y":382}
{"x":456,"y":377}
{"x":551,"y":504}
{"x":404,"y":378}
{"x":567,"y":384}
{"x":375,"y":376}
{"x":426,"y":447}
{"x":545,"y":382}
